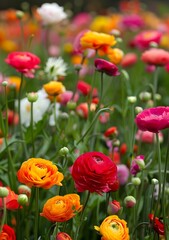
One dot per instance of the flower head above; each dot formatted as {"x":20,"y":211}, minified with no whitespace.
{"x":55,"y":68}
{"x":137,"y":165}
{"x":63,"y":236}
{"x":155,"y":56}
{"x":113,"y":228}
{"x":95,"y":172}
{"x":129,"y":60}
{"x":39,"y":172}
{"x":157,"y":225}
{"x":51,"y":13}
{"x":61,"y":208}
{"x":24,"y":62}
{"x":54,"y":88}
{"x":122,"y":173}
{"x":153,"y":119}
{"x":7,"y":233}
{"x":106,"y":67}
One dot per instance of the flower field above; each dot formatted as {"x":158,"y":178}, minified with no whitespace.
{"x":84,"y":141}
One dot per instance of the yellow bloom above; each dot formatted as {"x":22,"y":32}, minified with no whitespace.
{"x":95,"y":40}
{"x":115,"y":55}
{"x":101,"y":24}
{"x":53,"y":88}
{"x":14,"y":81}
{"x":8,"y":46}
{"x":113,"y":228}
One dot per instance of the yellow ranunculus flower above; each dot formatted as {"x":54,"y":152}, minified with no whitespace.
{"x":115,"y":55}
{"x":113,"y":228}
{"x":53,"y":88}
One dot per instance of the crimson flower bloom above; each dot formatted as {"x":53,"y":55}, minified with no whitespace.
{"x":7,"y":233}
{"x":83,"y":87}
{"x":157,"y":225}
{"x":63,"y":236}
{"x":155,"y":56}
{"x":106,"y":67}
{"x":95,"y":172}
{"x":24,"y":62}
{"x":153,"y":119}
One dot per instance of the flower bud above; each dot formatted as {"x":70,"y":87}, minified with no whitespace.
{"x":129,"y":201}
{"x":19,"y":14}
{"x":23,"y":199}
{"x":115,"y":32}
{"x":157,"y":96}
{"x":150,"y":104}
{"x":4,"y":192}
{"x":116,"y":143}
{"x":153,"y":44}
{"x":23,"y":189}
{"x":138,"y":109}
{"x":63,"y":236}
{"x":132,"y":99}
{"x":145,"y":96}
{"x":71,"y":105}
{"x":64,"y":116}
{"x":136,"y":181}
{"x":154,"y":181}
{"x":32,"y":96}
{"x":64,"y":151}
{"x":113,"y":207}
{"x":140,"y":163}
{"x":119,"y":40}
{"x":4,"y":83}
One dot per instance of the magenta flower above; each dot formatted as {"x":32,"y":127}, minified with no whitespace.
{"x":153,"y":119}
{"x":106,"y":67}
{"x":137,"y":165}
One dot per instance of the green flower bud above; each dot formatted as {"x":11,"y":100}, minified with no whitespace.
{"x":64,"y":151}
{"x":136,"y":181}
{"x":32,"y":96}
{"x":23,"y":189}
{"x":19,"y":14}
{"x":4,"y":192}
{"x":23,"y":199}
{"x":4,"y":83}
{"x":64,"y":116}
{"x":132,"y":99}
{"x":157,"y":96}
{"x":129,"y":201}
{"x":115,"y":32}
{"x":145,"y":96}
{"x":138,"y":109}
{"x":71,"y":105}
{"x":154,"y":181}
{"x":141,"y":164}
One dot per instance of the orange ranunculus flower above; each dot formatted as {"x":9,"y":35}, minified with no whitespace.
{"x":61,"y":208}
{"x":53,"y":88}
{"x":15,"y":82}
{"x":39,"y":172}
{"x":95,"y":40}
{"x":113,"y":228}
{"x":115,"y":55}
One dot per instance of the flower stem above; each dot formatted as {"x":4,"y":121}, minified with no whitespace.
{"x":32,"y":135}
{"x":4,"y":214}
{"x":36,"y":214}
{"x":81,"y":216}
{"x":55,"y":231}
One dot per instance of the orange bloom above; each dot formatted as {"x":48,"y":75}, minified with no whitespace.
{"x":53,"y":88}
{"x":112,"y":131}
{"x":95,"y":40}
{"x":39,"y":172}
{"x":61,"y":208}
{"x":14,"y":81}
{"x":115,"y":55}
{"x":113,"y":228}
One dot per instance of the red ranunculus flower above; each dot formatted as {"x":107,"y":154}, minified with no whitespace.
{"x":129,"y":60}
{"x":7,"y":233}
{"x":11,"y":201}
{"x":153,"y":119}
{"x":63,"y":236}
{"x":83,"y":87}
{"x":157,"y":225}
{"x":95,"y":172}
{"x":106,"y":67}
{"x":24,"y":62}
{"x":155,"y":56}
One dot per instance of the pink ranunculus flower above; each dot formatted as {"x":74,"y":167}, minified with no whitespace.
{"x":145,"y":38}
{"x":153,"y":119}
{"x":137,"y":165}
{"x":95,"y":172}
{"x":106,"y":67}
{"x":147,"y":137}
{"x":155,"y":56}
{"x":132,"y":22}
{"x":24,"y":62}
{"x":122,"y":173}
{"x":129,"y":60}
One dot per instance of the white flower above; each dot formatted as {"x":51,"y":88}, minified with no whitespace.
{"x":52,"y":118}
{"x":39,"y":108}
{"x":51,"y":13}
{"x":55,"y":67}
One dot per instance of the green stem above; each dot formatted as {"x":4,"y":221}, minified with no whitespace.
{"x":91,"y":125}
{"x":163,"y":192}
{"x":101,"y":90}
{"x":4,"y":215}
{"x":36,"y":214}
{"x":159,"y":173}
{"x":155,"y":84}
{"x":81,"y":217}
{"x":32,"y":135}
{"x":55,"y":232}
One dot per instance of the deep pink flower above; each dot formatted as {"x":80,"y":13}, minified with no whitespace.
{"x":147,"y":137}
{"x":24,"y":62}
{"x":76,"y":45}
{"x":129,"y":60}
{"x":123,"y":173}
{"x":155,"y":56}
{"x":137,"y":165}
{"x":153,"y":119}
{"x":106,"y":67}
{"x":132,"y":22}
{"x":145,"y":38}
{"x":83,"y":87}
{"x":95,"y":172}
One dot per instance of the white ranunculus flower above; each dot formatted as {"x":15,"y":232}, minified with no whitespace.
{"x":51,"y":13}
{"x":39,"y":108}
{"x":55,"y":67}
